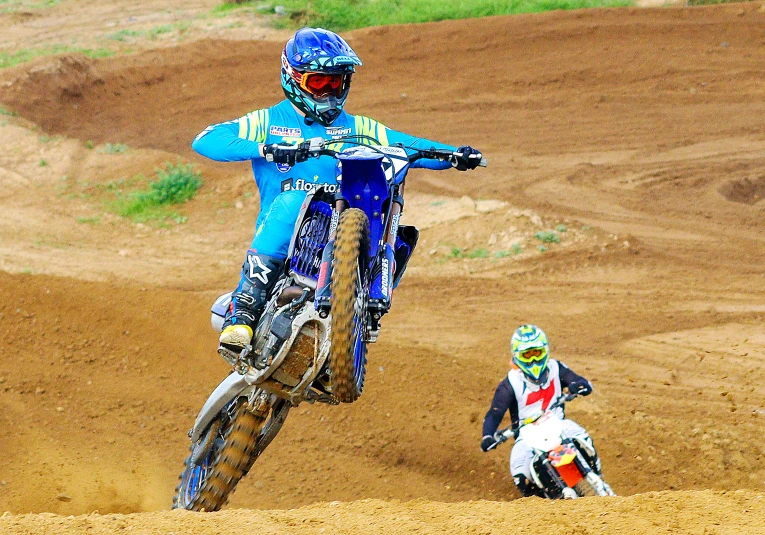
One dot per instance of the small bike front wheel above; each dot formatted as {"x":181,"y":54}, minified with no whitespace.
{"x":350,"y":296}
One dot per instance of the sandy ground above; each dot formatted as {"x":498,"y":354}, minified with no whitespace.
{"x":636,"y":133}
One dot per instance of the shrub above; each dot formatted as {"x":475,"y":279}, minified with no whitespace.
{"x":547,"y":236}
{"x":175,"y":184}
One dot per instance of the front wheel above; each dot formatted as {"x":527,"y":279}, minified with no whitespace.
{"x":350,"y":295}
{"x":593,"y":485}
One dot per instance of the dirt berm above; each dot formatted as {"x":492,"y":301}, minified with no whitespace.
{"x":702,"y":512}
{"x":621,"y":211}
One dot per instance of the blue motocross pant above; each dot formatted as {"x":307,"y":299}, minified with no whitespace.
{"x":272,"y":237}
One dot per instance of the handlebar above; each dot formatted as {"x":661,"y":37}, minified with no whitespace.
{"x":317,"y":146}
{"x":504,"y":435}
{"x":445,"y":156}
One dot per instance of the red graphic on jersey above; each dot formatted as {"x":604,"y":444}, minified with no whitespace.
{"x":545,"y":394}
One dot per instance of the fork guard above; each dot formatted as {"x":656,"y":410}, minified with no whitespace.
{"x":406,"y":241}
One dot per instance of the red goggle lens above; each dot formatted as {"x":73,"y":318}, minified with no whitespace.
{"x":321,"y":84}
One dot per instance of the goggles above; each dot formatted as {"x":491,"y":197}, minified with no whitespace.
{"x":322,"y":85}
{"x":532,"y":355}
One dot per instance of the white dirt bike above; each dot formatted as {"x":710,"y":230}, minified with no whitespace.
{"x":562,"y":467}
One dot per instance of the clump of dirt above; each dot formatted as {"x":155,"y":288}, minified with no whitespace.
{"x":746,"y":191}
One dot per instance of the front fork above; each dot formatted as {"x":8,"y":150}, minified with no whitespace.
{"x":381,"y":287}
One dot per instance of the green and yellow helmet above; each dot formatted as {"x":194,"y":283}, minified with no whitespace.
{"x":531,"y":351}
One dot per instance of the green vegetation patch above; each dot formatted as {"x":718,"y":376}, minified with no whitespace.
{"x":257,"y":6}
{"x":349,"y":14}
{"x":123,"y":35}
{"x":11,"y":59}
{"x":175,"y":184}
{"x":709,"y":2}
{"x":547,"y":236}
{"x":115,"y":148}
{"x":12,"y":6}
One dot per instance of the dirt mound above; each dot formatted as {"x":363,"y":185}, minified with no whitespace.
{"x":732,"y":513}
{"x":747,"y":191}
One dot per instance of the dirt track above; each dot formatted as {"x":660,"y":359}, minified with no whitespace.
{"x":639,"y":130}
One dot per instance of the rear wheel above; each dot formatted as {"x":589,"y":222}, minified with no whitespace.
{"x":229,"y":449}
{"x":350,"y":295}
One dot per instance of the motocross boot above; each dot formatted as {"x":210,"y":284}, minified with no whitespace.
{"x":324,"y":284}
{"x":259,"y":275}
{"x":527,"y":488}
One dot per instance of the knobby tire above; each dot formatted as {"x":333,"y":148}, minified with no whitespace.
{"x":351,"y":247}
{"x":233,"y":460}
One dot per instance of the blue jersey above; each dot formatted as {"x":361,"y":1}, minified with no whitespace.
{"x":238,"y":140}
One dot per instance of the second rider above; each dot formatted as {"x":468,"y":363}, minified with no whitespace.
{"x":316,"y":70}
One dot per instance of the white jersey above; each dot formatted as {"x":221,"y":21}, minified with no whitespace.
{"x":534,"y":399}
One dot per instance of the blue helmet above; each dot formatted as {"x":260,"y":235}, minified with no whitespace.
{"x":317,"y":66}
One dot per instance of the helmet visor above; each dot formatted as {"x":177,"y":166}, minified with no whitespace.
{"x":533,"y":355}
{"x":322,"y":85}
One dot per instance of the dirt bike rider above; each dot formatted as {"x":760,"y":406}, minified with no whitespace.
{"x":533,"y":384}
{"x":317,"y":67}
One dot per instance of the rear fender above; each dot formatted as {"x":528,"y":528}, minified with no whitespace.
{"x":232,"y":387}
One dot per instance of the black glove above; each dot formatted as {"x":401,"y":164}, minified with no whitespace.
{"x":285,"y":154}
{"x":581,"y":387}
{"x":488,"y":443}
{"x":469,"y":158}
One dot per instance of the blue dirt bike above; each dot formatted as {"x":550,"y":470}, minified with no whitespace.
{"x":302,"y":349}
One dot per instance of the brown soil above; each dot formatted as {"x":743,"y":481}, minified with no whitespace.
{"x":636,"y":132}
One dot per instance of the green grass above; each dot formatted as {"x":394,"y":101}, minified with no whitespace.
{"x":11,"y":6}
{"x":514,"y":250}
{"x":159,"y":30}
{"x":11,"y":59}
{"x":221,"y":10}
{"x":115,"y":148}
{"x":9,"y":113}
{"x":88,"y":220}
{"x":175,"y":184}
{"x":349,"y":14}
{"x":152,"y":33}
{"x":547,"y":236}
{"x":457,"y":252}
{"x":122,"y":35}
{"x":478,"y":253}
